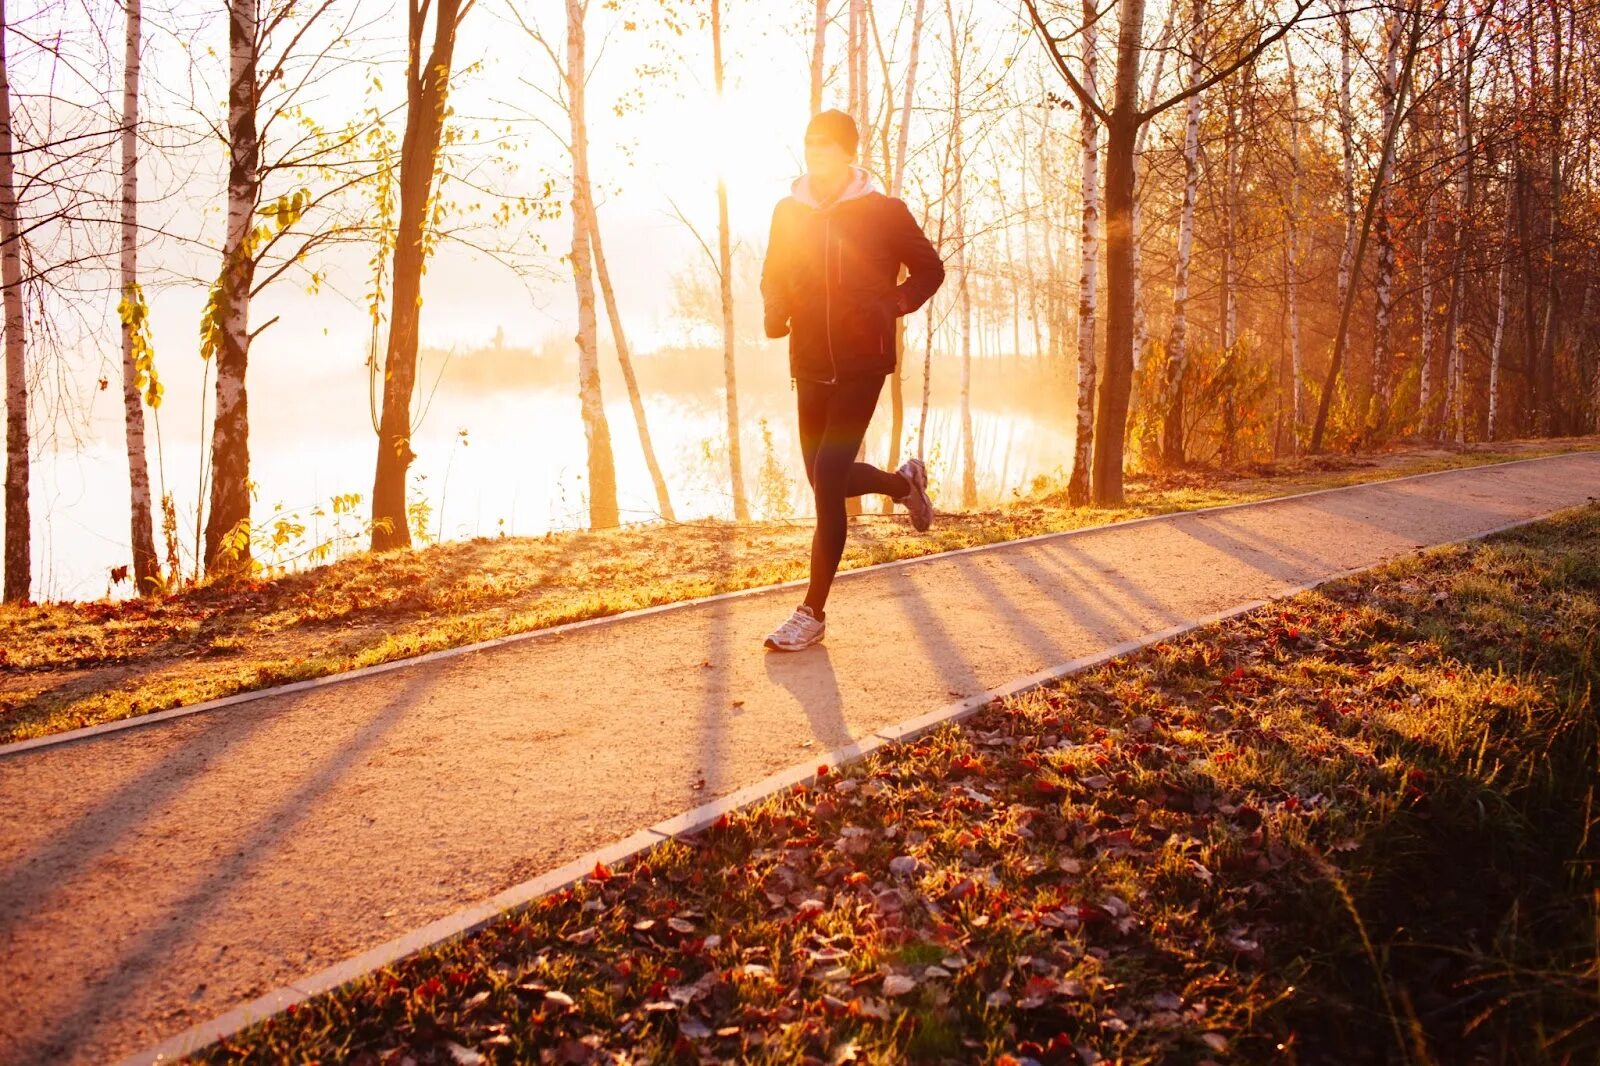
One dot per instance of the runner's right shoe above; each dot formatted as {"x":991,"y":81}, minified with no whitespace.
{"x":802,"y":630}
{"x":916,"y":501}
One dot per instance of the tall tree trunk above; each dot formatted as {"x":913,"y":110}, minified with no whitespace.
{"x":630,"y":380}
{"x":603,"y":513}
{"x":741,"y":504}
{"x":1141,"y":335}
{"x":1178,"y":336}
{"x":135,"y":364}
{"x":819,"y":52}
{"x":427,"y":92}
{"x":1291,"y":256}
{"x":1341,"y":337}
{"x":1230,"y":273}
{"x":1544,"y":417}
{"x":1497,"y":344}
{"x":1347,"y":191}
{"x":1078,"y":487}
{"x":1457,"y":407}
{"x":969,"y":473}
{"x":897,"y":403}
{"x":1121,"y":136}
{"x":1425,"y":419}
{"x":19,"y":563}
{"x":1383,"y":294}
{"x":228,"y":519}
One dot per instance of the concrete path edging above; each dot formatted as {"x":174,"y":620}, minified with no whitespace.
{"x":473,"y":918}
{"x":18,"y":747}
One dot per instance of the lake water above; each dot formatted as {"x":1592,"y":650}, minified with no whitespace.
{"x":519,"y":468}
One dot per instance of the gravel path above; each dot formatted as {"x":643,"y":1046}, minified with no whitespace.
{"x":153,"y":878}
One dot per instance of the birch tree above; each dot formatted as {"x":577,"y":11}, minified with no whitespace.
{"x":741,"y":505}
{"x":1122,"y":120}
{"x":1178,"y":332}
{"x":1089,"y":263}
{"x":18,"y":550}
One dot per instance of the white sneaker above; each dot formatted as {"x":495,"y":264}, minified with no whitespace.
{"x":916,"y":501}
{"x":802,"y":630}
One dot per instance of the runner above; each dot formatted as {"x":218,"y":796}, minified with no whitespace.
{"x":831,"y":284}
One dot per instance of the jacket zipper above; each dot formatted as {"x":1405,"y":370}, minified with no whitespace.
{"x":827,"y":296}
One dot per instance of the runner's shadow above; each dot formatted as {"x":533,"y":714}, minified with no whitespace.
{"x":810,"y":678}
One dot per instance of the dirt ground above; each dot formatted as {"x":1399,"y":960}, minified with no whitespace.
{"x":152,"y":878}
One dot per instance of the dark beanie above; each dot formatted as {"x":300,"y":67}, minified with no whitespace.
{"x":837,"y":127}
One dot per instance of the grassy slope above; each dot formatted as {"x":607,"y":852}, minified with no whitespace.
{"x":63,"y":666}
{"x":1350,"y":827}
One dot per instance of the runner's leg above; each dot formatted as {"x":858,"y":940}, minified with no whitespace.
{"x":835,"y":475}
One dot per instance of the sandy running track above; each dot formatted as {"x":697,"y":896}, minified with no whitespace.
{"x":156,"y":877}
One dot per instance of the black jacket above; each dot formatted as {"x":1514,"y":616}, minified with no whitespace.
{"x":831,"y":279}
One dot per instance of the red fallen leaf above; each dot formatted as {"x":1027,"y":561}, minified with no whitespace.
{"x":822,"y":770}
{"x":601,"y":872}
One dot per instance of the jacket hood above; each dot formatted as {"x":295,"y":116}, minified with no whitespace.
{"x":861,"y":184}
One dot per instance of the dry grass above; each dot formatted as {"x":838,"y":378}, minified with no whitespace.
{"x":1355,"y":826}
{"x":68,"y":665}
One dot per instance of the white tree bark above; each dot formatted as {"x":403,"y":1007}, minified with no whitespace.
{"x":819,"y":52}
{"x":146,"y":565}
{"x":228,"y":521}
{"x":741,"y":504}
{"x":603,"y":512}
{"x":969,"y":463}
{"x":1497,"y":344}
{"x":1089,"y":263}
{"x":1178,"y":338}
{"x":18,"y":552}
{"x":898,"y":178}
{"x":1347,"y":144}
{"x":1141,"y":333}
{"x":1425,"y":342}
{"x":1383,"y":295}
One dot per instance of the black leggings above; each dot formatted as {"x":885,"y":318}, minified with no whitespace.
{"x":833,"y":421}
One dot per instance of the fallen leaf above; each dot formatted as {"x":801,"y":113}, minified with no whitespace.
{"x":898,"y":984}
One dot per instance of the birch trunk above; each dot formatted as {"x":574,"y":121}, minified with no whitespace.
{"x":969,"y":471}
{"x":1178,"y":337}
{"x":1078,"y":487}
{"x":1383,"y":296}
{"x":603,"y":513}
{"x":897,"y":404}
{"x":819,"y":52}
{"x":1348,"y":152}
{"x":1497,"y":344}
{"x":741,"y":504}
{"x":1425,"y":342}
{"x":228,"y":519}
{"x":141,"y":515}
{"x":630,"y":380}
{"x":1141,"y":334}
{"x":1456,"y":407}
{"x":18,"y":552}
{"x":1544,"y":416}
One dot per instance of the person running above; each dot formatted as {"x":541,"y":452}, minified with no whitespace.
{"x":830,"y":283}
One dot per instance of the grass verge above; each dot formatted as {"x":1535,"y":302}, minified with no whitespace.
{"x":68,"y":665}
{"x":1354,"y":826}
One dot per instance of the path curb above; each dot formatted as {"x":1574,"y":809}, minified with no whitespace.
{"x":472,"y":918}
{"x":20,"y":747}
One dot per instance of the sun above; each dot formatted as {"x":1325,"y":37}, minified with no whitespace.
{"x":745,"y":137}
